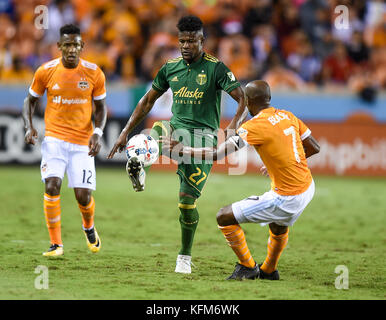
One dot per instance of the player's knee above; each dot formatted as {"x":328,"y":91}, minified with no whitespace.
{"x":277,"y":230}
{"x":52,"y":186}
{"x":83,"y":196}
{"x":219,"y":217}
{"x":225,"y":216}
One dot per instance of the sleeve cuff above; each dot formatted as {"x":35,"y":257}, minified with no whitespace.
{"x":33,"y":93}
{"x":232,"y":87}
{"x":155,"y":87}
{"x":306,"y":134}
{"x":102,"y":96}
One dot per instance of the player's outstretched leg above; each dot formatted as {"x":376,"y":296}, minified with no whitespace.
{"x":246,"y":267}
{"x":134,"y":168}
{"x":86,"y":205}
{"x":189,"y":218}
{"x":277,"y":241}
{"x":52,"y":212}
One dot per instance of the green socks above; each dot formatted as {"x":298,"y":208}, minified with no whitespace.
{"x":189,"y":215}
{"x":188,"y":220}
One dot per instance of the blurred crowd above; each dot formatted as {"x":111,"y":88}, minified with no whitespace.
{"x":293,"y":44}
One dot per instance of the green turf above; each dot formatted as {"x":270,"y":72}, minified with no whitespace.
{"x":343,"y":225}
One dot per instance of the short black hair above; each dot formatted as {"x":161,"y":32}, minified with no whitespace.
{"x":189,"y":23}
{"x":69,"y":29}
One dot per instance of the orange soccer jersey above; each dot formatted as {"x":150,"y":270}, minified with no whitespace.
{"x":276,"y":135}
{"x":70,"y":93}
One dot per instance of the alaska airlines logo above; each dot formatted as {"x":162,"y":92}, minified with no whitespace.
{"x":185,"y":93}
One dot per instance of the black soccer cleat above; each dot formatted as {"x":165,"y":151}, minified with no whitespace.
{"x":136,"y":173}
{"x":268,"y":276}
{"x":242,"y":272}
{"x":90,"y":234}
{"x":93,"y":241}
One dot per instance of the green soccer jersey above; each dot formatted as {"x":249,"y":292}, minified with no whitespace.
{"x":196,"y":90}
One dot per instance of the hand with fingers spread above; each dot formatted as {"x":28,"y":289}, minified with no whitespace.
{"x":119,"y":145}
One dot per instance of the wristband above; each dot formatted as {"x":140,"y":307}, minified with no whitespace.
{"x":98,"y":131}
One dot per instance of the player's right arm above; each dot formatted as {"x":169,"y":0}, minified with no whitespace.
{"x":142,"y":109}
{"x":29,"y":106}
{"x":36,"y":90}
{"x":159,"y":86}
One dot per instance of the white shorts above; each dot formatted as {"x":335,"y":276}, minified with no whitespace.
{"x":272,"y":207}
{"x":59,"y":156}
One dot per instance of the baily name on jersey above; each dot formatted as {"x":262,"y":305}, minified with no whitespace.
{"x":277,"y":118}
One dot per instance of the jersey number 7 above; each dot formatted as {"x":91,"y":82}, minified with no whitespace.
{"x":291,"y":131}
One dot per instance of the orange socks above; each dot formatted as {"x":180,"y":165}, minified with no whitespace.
{"x":276,"y":245}
{"x":235,"y":237}
{"x":88,"y":214}
{"x":52,"y":215}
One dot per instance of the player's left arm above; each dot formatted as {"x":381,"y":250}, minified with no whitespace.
{"x":241,"y":113}
{"x":100,"y":117}
{"x":100,"y":113}
{"x":175,"y":150}
{"x":310,"y":146}
{"x":226,"y":80}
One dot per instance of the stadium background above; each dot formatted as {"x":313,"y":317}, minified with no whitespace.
{"x":334,"y":79}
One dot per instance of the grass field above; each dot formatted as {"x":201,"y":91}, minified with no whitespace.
{"x":343,"y":225}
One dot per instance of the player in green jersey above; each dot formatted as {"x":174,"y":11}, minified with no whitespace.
{"x":196,"y":80}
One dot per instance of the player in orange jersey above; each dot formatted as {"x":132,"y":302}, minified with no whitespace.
{"x":70,"y":141}
{"x":283,"y":143}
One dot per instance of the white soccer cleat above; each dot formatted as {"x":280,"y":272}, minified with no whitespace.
{"x":136,"y":173}
{"x":183,"y":264}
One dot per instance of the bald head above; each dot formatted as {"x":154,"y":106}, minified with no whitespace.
{"x":258,"y":90}
{"x":258,"y":96}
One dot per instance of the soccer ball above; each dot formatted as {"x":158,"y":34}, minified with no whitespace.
{"x":142,"y":147}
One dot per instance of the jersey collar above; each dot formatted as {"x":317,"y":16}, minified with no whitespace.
{"x":268,"y":110}
{"x":199,"y":60}
{"x":62,"y":65}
